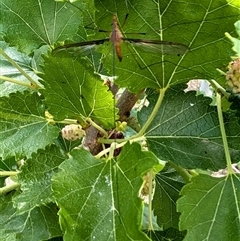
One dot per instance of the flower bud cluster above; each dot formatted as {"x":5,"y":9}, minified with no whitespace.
{"x":233,"y":76}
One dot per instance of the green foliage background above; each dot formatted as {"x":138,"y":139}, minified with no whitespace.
{"x":70,"y":194}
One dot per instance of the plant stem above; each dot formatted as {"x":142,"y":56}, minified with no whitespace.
{"x":183,"y":172}
{"x":223,"y":134}
{"x":145,"y":126}
{"x":97,"y":127}
{"x":18,"y":82}
{"x":10,"y":60}
{"x":154,"y":112}
{"x":67,"y":121}
{"x":150,"y":218}
{"x":218,"y":87}
{"x":8,"y":173}
{"x":107,"y":150}
{"x":9,"y":188}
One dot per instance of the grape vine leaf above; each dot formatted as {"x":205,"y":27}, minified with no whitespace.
{"x":99,"y":199}
{"x":186,"y":131}
{"x":210,"y":205}
{"x":35,"y":179}
{"x":23,"y":124}
{"x":73,"y":92}
{"x":41,"y":223}
{"x":38,"y":23}
{"x":168,"y":186}
{"x":50,"y":22}
{"x":203,"y":32}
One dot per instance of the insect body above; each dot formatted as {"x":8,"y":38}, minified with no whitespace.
{"x":116,"y":37}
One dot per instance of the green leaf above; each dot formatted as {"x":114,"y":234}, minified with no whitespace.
{"x":164,"y":21}
{"x":35,"y":179}
{"x":23,"y":127}
{"x":49,"y":22}
{"x":41,"y":223}
{"x":210,"y":208}
{"x":7,"y":70}
{"x":168,"y":185}
{"x":99,"y":200}
{"x":186,"y":131}
{"x":73,"y":92}
{"x":145,"y":221}
{"x":235,"y":41}
{"x":167,"y":235}
{"x":38,"y":23}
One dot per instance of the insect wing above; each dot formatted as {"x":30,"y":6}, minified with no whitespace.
{"x":155,"y":46}
{"x":81,"y":47}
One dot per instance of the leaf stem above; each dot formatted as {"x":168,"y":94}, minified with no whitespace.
{"x":154,"y":112}
{"x":8,"y":173}
{"x":18,"y":82}
{"x":183,"y":172}
{"x":10,"y":60}
{"x":223,"y":134}
{"x":218,"y":87}
{"x":65,"y":121}
{"x":145,"y":126}
{"x":150,"y":181}
{"x":9,"y":188}
{"x":97,"y":127}
{"x":118,"y":145}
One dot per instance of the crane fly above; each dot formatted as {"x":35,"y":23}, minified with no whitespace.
{"x":116,"y":37}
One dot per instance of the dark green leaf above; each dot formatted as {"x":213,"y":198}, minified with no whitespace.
{"x":168,"y":185}
{"x":186,"y":131}
{"x":200,"y":26}
{"x":170,"y":234}
{"x":209,"y":206}
{"x":38,"y":23}
{"x":41,"y":223}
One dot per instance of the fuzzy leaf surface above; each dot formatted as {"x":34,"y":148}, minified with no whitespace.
{"x":99,"y":200}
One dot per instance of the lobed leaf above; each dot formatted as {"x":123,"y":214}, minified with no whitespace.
{"x":186,"y":131}
{"x":99,"y":200}
{"x":35,"y":179}
{"x":210,"y":208}
{"x":73,"y":92}
{"x":174,"y":22}
{"x":23,"y":127}
{"x":30,"y":24}
{"x":41,"y":223}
